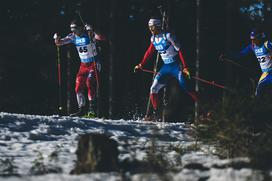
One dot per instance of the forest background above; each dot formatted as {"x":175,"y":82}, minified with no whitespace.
{"x":28,"y":58}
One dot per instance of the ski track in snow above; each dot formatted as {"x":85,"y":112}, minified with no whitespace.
{"x":25,"y":138}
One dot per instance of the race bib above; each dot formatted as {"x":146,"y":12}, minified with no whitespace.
{"x":87,"y":51}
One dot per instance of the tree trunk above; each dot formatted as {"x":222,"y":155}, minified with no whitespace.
{"x":198,"y":9}
{"x":113,"y":7}
{"x":228,"y":70}
{"x":96,"y":153}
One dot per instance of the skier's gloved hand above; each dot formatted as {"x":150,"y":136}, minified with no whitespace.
{"x":138,"y":67}
{"x":221,"y":57}
{"x":55,"y":36}
{"x":88,"y":27}
{"x":100,"y":37}
{"x":186,"y":72}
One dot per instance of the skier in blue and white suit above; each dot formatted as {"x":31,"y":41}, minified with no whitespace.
{"x":173,"y":61}
{"x":262,"y":49}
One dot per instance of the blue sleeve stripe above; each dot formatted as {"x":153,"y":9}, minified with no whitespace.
{"x":245,"y":51}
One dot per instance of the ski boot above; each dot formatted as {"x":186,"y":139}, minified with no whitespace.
{"x":92,"y":107}
{"x":79,"y":113}
{"x":155,"y":116}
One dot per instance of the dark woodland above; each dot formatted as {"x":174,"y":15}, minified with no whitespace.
{"x":28,"y":58}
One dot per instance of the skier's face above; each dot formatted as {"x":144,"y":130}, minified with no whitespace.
{"x":154,"y":30}
{"x":256,"y":41}
{"x":76,"y":29}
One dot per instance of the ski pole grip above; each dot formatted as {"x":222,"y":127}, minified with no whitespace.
{"x":222,"y":57}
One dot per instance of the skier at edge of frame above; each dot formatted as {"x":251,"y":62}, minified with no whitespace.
{"x":262,"y":49}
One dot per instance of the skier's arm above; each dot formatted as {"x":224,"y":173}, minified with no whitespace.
{"x":177,"y":47}
{"x":99,"y":37}
{"x":245,"y":51}
{"x":93,"y":34}
{"x":237,"y":55}
{"x":170,"y":37}
{"x":63,"y":41}
{"x":182,"y":59}
{"x":148,"y":54}
{"x":185,"y":69}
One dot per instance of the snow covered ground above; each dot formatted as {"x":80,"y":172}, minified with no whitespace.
{"x":30,"y":144}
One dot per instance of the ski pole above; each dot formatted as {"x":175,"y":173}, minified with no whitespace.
{"x":148,"y":71}
{"x":59,"y":78}
{"x":196,"y":78}
{"x":164,"y":20}
{"x":210,"y":82}
{"x":222,"y":58}
{"x":80,"y":18}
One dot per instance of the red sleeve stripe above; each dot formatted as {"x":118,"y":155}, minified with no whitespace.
{"x":148,"y":53}
{"x":182,"y":59}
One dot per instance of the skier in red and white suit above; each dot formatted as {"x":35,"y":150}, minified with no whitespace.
{"x":85,"y":41}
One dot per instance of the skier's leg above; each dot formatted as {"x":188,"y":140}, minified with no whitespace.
{"x":187,"y":88}
{"x":91,"y":86}
{"x":154,"y":94}
{"x":264,"y":85}
{"x":79,"y":89}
